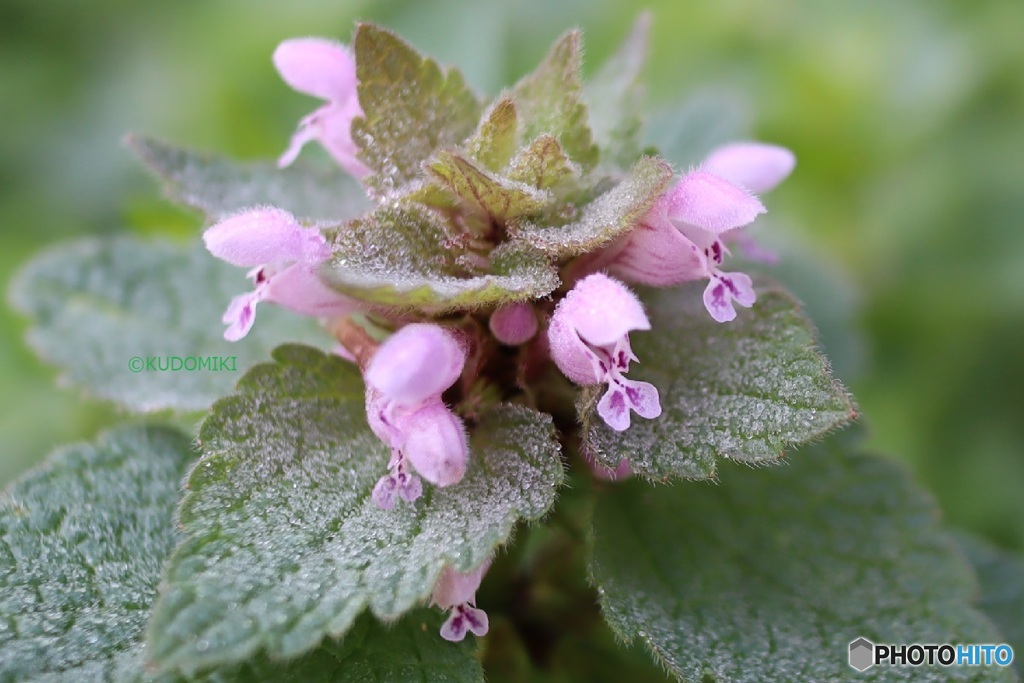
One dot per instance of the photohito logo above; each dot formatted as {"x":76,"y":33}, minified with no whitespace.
{"x":864,"y":654}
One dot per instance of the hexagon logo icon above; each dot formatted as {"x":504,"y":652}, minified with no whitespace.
{"x":862,"y":653}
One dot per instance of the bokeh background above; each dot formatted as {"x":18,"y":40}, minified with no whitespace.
{"x":902,"y":227}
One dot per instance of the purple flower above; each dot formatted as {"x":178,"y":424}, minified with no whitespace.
{"x":682,"y":237}
{"x":456,"y":592}
{"x":284,"y":257}
{"x":324,"y":69}
{"x":404,"y":383}
{"x":514,"y":324}
{"x":589,"y":339}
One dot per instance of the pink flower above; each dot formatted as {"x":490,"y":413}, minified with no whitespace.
{"x":404,"y":383}
{"x":324,"y":69}
{"x":284,"y":257}
{"x":682,"y":237}
{"x":457,"y":592}
{"x":589,"y":339}
{"x":514,"y":324}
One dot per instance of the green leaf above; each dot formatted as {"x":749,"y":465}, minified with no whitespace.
{"x":396,"y":257}
{"x":494,"y":142}
{"x":99,"y":304}
{"x":549,"y":101}
{"x":1001,"y":575}
{"x":770,"y":575}
{"x":743,"y":390}
{"x":411,"y":108}
{"x":543,"y":163}
{"x":284,"y":545}
{"x":219,"y":186}
{"x":501,"y":198}
{"x":615,"y":97}
{"x":611,"y":215}
{"x":84,"y":537}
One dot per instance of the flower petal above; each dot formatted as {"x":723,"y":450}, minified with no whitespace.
{"x":317,"y":66}
{"x":417,"y":363}
{"x":436,"y":444}
{"x":240,"y":315}
{"x":602,"y":310}
{"x":656,"y":253}
{"x":614,"y":408}
{"x":711,"y":203}
{"x":455,"y":588}
{"x":265,"y":235}
{"x":754,"y":165}
{"x":298,"y":289}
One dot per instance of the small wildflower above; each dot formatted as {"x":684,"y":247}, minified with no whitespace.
{"x":284,"y":257}
{"x":514,"y":324}
{"x":404,"y":383}
{"x":589,"y":339}
{"x":456,"y":592}
{"x":327,"y":70}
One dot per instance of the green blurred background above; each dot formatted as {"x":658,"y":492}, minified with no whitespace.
{"x":907,"y":119}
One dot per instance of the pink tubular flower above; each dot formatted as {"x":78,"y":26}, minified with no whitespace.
{"x":682,"y":237}
{"x":457,"y":592}
{"x":283,"y":256}
{"x":404,"y":383}
{"x":589,"y":339}
{"x":324,"y":69}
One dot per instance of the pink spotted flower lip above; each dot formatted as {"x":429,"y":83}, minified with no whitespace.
{"x":589,"y":339}
{"x":327,"y":70}
{"x":683,"y":236}
{"x":456,"y":592}
{"x":284,"y":257}
{"x":404,"y":382}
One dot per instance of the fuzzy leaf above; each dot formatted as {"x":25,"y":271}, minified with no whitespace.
{"x":611,"y":215}
{"x":1001,"y":575}
{"x":500,"y":197}
{"x":97,"y":304}
{"x":550,"y":101}
{"x":770,"y":575}
{"x":615,"y":97}
{"x":284,"y":545}
{"x":84,"y":537}
{"x":219,"y":186}
{"x":396,"y":257}
{"x":411,"y":108}
{"x":494,"y":142}
{"x":543,"y":163}
{"x":744,"y":390}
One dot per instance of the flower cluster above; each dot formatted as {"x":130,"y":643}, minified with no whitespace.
{"x":583,"y":328}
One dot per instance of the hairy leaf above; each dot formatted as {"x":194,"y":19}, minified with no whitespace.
{"x":111,"y":312}
{"x":543,"y":163}
{"x":550,"y":102}
{"x":611,"y":215}
{"x":284,"y":545}
{"x":219,"y":186}
{"x":771,"y":574}
{"x":615,"y":97}
{"x":494,"y":142}
{"x":743,"y":390}
{"x":501,"y":198}
{"x":84,"y":537}
{"x":411,"y":108}
{"x":1001,"y":575}
{"x":396,"y":257}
